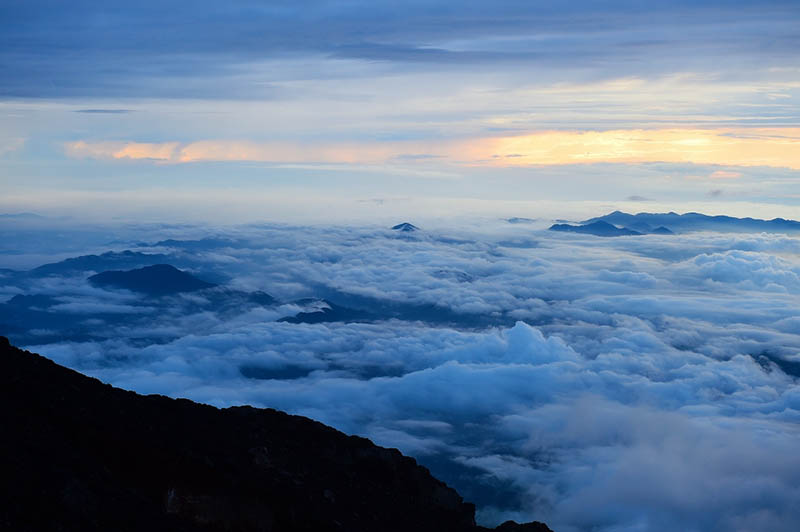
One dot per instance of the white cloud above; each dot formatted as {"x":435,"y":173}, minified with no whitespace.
{"x":635,"y":393}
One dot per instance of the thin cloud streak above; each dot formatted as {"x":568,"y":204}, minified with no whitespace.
{"x":756,"y":147}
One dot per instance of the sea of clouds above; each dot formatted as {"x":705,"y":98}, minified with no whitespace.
{"x":605,"y":384}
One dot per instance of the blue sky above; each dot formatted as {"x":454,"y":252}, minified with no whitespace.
{"x":623,"y":384}
{"x":253,"y":110}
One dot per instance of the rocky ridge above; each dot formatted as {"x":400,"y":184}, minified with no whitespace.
{"x":100,"y":458}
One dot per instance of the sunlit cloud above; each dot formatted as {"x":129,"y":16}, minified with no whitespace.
{"x":725,"y":174}
{"x":757,"y":147}
{"x":212,"y":150}
{"x":233,"y":150}
{"x":164,"y":151}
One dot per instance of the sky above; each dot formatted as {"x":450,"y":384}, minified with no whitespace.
{"x":242,"y":111}
{"x":629,"y":384}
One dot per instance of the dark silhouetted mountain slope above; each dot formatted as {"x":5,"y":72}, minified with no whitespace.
{"x":405,"y":227}
{"x":661,"y":230}
{"x":599,"y":228}
{"x":77,"y":454}
{"x":694,"y":221}
{"x":156,"y":280}
{"x":106,"y":261}
{"x":322,"y":311}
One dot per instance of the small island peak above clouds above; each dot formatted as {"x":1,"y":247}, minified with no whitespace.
{"x":531,"y":245}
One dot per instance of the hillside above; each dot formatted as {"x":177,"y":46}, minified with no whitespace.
{"x":101,"y":458}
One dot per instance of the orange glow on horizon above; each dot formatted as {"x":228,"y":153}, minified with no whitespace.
{"x":777,"y":147}
{"x":730,"y":147}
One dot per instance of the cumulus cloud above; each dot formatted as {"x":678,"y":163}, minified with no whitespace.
{"x":613,"y":384}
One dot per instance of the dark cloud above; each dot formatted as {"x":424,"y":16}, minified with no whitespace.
{"x":51,"y":49}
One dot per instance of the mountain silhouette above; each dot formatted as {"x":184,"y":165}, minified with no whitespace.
{"x":80,"y":455}
{"x":156,"y":280}
{"x":598,"y":228}
{"x":405,"y":227}
{"x":694,"y":221}
{"x":109,"y":260}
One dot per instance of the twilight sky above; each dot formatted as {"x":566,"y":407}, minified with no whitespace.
{"x":642,"y":383}
{"x":283,"y":110}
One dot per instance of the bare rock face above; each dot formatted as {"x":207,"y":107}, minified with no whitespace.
{"x":77,"y":454}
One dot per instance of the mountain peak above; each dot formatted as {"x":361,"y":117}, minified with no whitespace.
{"x":405,"y":227}
{"x":156,"y":280}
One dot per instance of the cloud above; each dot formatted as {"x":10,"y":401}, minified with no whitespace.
{"x":222,"y":150}
{"x":139,"y":51}
{"x":638,"y":198}
{"x":772,"y":148}
{"x":80,"y":307}
{"x":8,"y":145}
{"x":122,"y":150}
{"x":104,"y":111}
{"x":750,"y":269}
{"x":613,"y":384}
{"x":779,"y":148}
{"x":725,"y":174}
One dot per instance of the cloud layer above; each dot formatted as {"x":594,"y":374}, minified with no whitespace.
{"x":205,"y":48}
{"x":643,"y":383}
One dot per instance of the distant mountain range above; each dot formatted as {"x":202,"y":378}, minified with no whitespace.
{"x":599,"y":228}
{"x":112,"y":260}
{"x":43,"y":318}
{"x":156,"y":280}
{"x":619,"y":223}
{"x":80,"y":455}
{"x":106,"y":261}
